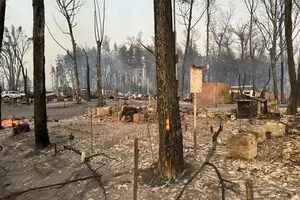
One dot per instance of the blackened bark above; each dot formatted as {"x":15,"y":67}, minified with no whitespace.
{"x":2,"y":21}
{"x":25,"y":82}
{"x":281,"y":60}
{"x":171,"y":161}
{"x":77,"y":88}
{"x":292,"y":107}
{"x":207,"y":39}
{"x":88,"y":90}
{"x":282,"y":82}
{"x":24,"y":78}
{"x":187,"y":46}
{"x":26,"y":87}
{"x":298,"y":95}
{"x":0,"y":107}
{"x":98,"y":65}
{"x":274,"y":71}
{"x":40,"y":113}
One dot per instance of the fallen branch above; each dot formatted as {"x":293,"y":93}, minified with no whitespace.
{"x":89,"y":157}
{"x":101,"y":154}
{"x":96,"y":176}
{"x":46,"y":186}
{"x":220,"y":178}
{"x":72,"y":149}
{"x":209,"y":155}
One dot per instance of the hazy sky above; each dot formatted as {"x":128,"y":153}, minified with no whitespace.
{"x":123,"y":18}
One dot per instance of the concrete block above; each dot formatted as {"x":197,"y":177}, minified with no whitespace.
{"x":138,"y":117}
{"x":117,"y":116}
{"x":276,"y":129}
{"x":242,"y":146}
{"x":103,"y":111}
{"x":259,"y":132}
{"x":116,"y":108}
{"x":92,"y":111}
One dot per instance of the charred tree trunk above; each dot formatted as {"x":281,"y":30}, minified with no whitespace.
{"x":171,"y":161}
{"x":77,"y":88}
{"x":40,"y":113}
{"x":0,"y":107}
{"x":274,"y":73}
{"x":98,"y":65}
{"x":281,"y":62}
{"x":26,"y":87}
{"x":273,"y":60}
{"x":25,"y":84}
{"x":207,"y":40}
{"x":187,"y":45}
{"x":2,"y":21}
{"x":251,"y":51}
{"x":88,"y":88}
{"x":292,"y":107}
{"x":24,"y":74}
{"x":298,"y":95}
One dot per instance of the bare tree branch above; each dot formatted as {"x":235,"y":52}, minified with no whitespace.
{"x":67,"y":51}
{"x":64,"y":32}
{"x":148,"y":49}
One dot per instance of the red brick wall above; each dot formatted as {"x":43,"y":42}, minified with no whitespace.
{"x":214,"y":92}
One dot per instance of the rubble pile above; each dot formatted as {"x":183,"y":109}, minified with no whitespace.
{"x":124,"y":113}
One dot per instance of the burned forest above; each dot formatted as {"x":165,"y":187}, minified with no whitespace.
{"x":160,"y":99}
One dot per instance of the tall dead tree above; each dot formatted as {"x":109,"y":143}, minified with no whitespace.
{"x":99,"y":22}
{"x":69,"y":9}
{"x":88,"y":88}
{"x":21,"y":44}
{"x":270,"y":33}
{"x":40,"y":113}
{"x":2,"y":22}
{"x":220,"y":28}
{"x":282,"y":52}
{"x":292,"y":107}
{"x":186,"y":13}
{"x":209,"y":4}
{"x":251,"y":7}
{"x":171,"y":162}
{"x":243,"y":35}
{"x":10,"y":67}
{"x":2,"y":19}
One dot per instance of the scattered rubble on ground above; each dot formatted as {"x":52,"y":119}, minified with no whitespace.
{"x":266,"y":151}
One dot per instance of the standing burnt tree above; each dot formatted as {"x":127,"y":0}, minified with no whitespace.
{"x":292,"y":107}
{"x":40,"y":113}
{"x":69,"y":9}
{"x":88,"y":88}
{"x":186,"y":9}
{"x":20,"y":45}
{"x":2,"y":21}
{"x":99,"y":20}
{"x":171,"y":161}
